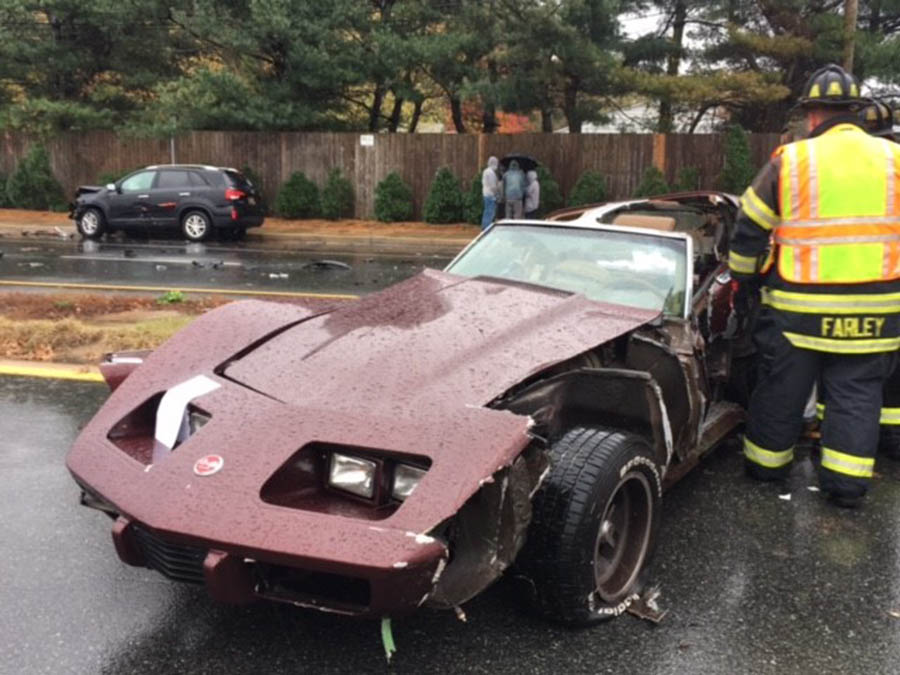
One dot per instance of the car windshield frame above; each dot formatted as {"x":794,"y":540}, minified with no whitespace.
{"x":682,"y":237}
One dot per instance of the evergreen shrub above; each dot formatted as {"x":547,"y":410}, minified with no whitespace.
{"x":551,"y":196}
{"x":337,"y":196}
{"x":652,"y":183}
{"x":589,"y":189}
{"x":32,"y":184}
{"x":738,"y":171}
{"x":298,"y":198}
{"x":444,"y":203}
{"x":393,"y":199}
{"x":473,"y":202}
{"x":687,"y":180}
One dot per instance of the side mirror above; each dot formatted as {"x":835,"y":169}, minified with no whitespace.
{"x":112,"y":187}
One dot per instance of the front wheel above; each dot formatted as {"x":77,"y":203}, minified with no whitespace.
{"x":594,"y":525}
{"x":196,"y":226}
{"x":91,"y":223}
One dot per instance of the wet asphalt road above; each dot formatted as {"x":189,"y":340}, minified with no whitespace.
{"x":754,"y":583}
{"x":232,"y":266}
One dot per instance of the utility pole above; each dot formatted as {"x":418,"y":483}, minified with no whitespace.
{"x":851,"y":10}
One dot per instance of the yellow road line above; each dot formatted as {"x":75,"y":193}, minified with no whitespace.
{"x":165,"y":289}
{"x":50,"y":372}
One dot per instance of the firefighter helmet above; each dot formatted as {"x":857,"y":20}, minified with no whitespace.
{"x":831,"y":86}
{"x":878,"y":119}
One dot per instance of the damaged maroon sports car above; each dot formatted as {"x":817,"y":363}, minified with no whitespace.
{"x":525,"y":407}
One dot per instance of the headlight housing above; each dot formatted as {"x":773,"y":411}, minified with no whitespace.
{"x":352,"y":474}
{"x":406,"y":478}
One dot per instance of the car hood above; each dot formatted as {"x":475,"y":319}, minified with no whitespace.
{"x":434,"y":341}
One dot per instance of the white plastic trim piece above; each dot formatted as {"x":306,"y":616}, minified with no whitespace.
{"x":170,"y":414}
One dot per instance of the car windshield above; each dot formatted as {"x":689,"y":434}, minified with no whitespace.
{"x":628,"y":268}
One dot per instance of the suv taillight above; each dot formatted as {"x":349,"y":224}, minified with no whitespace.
{"x":232,"y":194}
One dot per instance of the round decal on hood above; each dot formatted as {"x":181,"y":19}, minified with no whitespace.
{"x":208,"y":465}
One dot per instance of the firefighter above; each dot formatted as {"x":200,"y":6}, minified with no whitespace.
{"x":830,"y":287}
{"x":878,"y":119}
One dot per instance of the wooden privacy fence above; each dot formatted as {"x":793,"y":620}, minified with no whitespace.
{"x":366,"y":159}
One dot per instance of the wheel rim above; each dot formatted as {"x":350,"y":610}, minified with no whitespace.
{"x":90,"y":223}
{"x":623,"y":537}
{"x":195,"y":226}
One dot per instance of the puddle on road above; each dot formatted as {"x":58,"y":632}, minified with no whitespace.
{"x":198,"y":265}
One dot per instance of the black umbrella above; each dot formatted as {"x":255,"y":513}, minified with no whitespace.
{"x":526,"y":163}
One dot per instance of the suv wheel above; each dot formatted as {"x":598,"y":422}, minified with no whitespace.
{"x":594,"y":525}
{"x":91,"y":224}
{"x":195,"y":225}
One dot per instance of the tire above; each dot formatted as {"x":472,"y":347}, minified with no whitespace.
{"x":594,"y":525}
{"x":196,"y":225}
{"x":91,"y":224}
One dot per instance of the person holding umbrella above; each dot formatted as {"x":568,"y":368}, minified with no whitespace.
{"x":514,"y":190}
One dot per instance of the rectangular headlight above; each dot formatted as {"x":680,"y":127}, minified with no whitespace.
{"x":352,"y":474}
{"x":406,"y":478}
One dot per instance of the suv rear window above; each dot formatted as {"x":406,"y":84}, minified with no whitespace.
{"x":239,"y":180}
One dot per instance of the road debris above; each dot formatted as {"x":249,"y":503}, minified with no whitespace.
{"x":785,"y":497}
{"x":646,"y":607}
{"x":894,"y":613}
{"x":813,"y":488}
{"x":325,"y":265}
{"x":387,"y":638}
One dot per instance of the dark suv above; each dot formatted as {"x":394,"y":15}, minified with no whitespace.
{"x":196,"y":199}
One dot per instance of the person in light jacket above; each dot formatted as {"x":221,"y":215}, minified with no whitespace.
{"x":490,"y":190}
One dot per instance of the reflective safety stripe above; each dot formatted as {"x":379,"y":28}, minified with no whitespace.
{"x":767,"y":458}
{"x":828,"y":222}
{"x":758,"y":211}
{"x":819,"y":241}
{"x":823,"y":303}
{"x":849,"y":465}
{"x":838,"y":346}
{"x":742,"y":264}
{"x":888,"y":415}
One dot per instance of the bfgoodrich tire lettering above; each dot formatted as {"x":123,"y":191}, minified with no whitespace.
{"x":195,"y":225}
{"x":594,"y":525}
{"x":91,"y":224}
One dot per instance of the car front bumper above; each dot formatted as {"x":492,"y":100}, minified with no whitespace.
{"x":234,"y":575}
